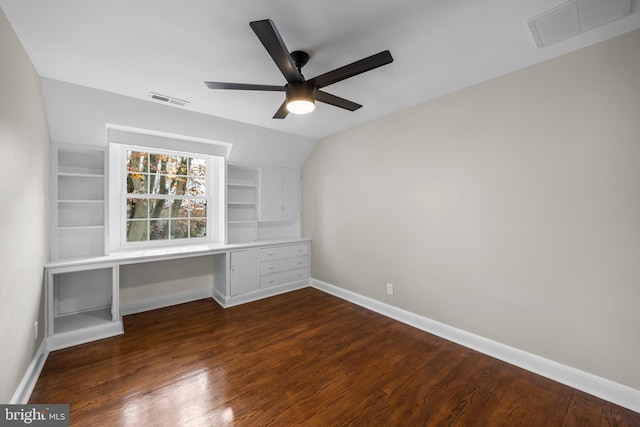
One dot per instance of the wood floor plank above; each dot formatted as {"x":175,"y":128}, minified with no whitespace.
{"x":304,"y":358}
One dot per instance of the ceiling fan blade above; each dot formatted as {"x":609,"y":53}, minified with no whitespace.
{"x":282,"y":111}
{"x":336,"y":101}
{"x":353,"y":69}
{"x":243,"y":86}
{"x":270,"y":38}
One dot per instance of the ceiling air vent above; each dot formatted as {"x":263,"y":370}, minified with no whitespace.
{"x":168,"y":99}
{"x":575,"y":17}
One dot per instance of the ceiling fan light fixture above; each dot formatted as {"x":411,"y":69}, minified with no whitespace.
{"x":301,"y":106}
{"x":300,"y":98}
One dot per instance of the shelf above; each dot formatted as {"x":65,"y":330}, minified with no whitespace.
{"x":80,"y":242}
{"x":242,"y":212}
{"x":81,"y":305}
{"x":239,"y":175}
{"x":86,"y":319}
{"x":249,"y":221}
{"x":76,"y":187}
{"x":242,"y":195}
{"x":241,"y":231}
{"x":81,"y":161}
{"x":241,"y":184}
{"x":81,"y":175}
{"x":80,"y":227}
{"x":80,"y":213}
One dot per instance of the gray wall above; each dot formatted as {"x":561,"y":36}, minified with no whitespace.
{"x":79,"y":115}
{"x":24,"y":216}
{"x":510,"y":209}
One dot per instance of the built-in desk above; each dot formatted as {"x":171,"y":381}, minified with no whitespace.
{"x":82,"y":295}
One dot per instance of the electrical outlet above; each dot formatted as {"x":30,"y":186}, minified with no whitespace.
{"x":35,"y":330}
{"x":389,"y":288}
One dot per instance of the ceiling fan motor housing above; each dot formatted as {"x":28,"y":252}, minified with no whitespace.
{"x":299,"y":91}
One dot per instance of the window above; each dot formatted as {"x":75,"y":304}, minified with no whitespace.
{"x":164,"y":189}
{"x":166,"y":196}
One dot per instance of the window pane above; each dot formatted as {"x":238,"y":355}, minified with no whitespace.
{"x":158,"y":163}
{"x":159,"y":229}
{"x":180,"y":208}
{"x":137,"y":208}
{"x":159,"y":184}
{"x":198,"y":167}
{"x":196,"y":186}
{"x":137,"y":183}
{"x":178,"y":185}
{"x":137,"y":231}
{"x":137,"y":161}
{"x":166,"y":196}
{"x":179,"y":229}
{"x":198,"y":208}
{"x":177,"y":165}
{"x":198,"y":228}
{"x":159,"y":208}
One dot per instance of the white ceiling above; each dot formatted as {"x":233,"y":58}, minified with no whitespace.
{"x":171,"y":47}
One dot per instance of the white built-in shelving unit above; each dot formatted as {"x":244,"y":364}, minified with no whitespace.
{"x":79,"y":211}
{"x":82,"y":302}
{"x":82,"y":279}
{"x":263,"y":203}
{"x":243,"y":203}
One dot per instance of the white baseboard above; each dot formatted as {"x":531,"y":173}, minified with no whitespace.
{"x":164,"y":301}
{"x":30,"y":378}
{"x":84,"y":335}
{"x":597,"y":386}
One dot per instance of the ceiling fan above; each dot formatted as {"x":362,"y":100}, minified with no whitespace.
{"x":300,"y":93}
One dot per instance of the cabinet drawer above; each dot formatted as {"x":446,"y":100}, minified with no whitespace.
{"x":270,"y":267}
{"x":284,"y":277}
{"x":278,"y":252}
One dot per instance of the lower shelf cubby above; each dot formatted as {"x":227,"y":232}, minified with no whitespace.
{"x":85,"y":319}
{"x":82,"y":305}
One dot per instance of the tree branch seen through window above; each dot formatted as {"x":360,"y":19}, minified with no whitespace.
{"x":166,"y":197}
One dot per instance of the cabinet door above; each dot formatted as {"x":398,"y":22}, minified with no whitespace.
{"x":280,"y":194}
{"x":244,"y":271}
{"x":271,"y":194}
{"x":290,"y":194}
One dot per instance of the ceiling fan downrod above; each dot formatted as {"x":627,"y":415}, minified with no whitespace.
{"x":300,"y":58}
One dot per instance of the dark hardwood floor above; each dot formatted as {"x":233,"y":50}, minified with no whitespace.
{"x":300,"y":359}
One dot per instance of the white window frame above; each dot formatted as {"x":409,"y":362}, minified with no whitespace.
{"x":117,"y":188}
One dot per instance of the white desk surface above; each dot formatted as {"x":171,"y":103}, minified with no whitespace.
{"x":164,"y":253}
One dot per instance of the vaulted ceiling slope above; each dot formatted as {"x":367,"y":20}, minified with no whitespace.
{"x":171,"y":48}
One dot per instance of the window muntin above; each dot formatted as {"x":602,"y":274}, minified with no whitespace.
{"x":166,"y":196}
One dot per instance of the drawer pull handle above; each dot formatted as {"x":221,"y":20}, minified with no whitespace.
{"x":271,"y":254}
{"x":271,"y":281}
{"x":300,"y":263}
{"x":270,"y":268}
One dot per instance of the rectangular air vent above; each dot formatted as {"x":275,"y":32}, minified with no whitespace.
{"x":575,"y":17}
{"x":168,"y":99}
